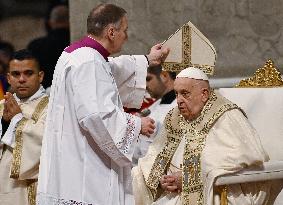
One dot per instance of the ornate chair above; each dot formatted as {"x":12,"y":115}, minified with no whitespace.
{"x":261,"y":97}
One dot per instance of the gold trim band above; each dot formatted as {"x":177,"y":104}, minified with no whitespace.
{"x":17,"y":152}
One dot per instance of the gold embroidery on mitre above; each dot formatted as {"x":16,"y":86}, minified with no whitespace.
{"x":187,"y":54}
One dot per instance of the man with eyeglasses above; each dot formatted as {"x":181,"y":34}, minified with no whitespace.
{"x":204,"y":137}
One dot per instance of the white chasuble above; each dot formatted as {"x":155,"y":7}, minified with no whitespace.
{"x":19,"y":164}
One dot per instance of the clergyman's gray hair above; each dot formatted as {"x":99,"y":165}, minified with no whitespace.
{"x":103,"y":15}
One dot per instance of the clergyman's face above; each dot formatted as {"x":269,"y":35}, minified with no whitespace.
{"x":191,"y":98}
{"x":154,"y":86}
{"x":120,"y":35}
{"x":24,"y":77}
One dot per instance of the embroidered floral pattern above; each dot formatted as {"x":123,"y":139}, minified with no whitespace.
{"x":126,"y":142}
{"x":42,"y":199}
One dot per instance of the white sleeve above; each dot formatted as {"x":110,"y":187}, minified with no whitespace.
{"x":97,"y":108}
{"x":9,"y":136}
{"x":231,"y":145}
{"x":130,"y":76}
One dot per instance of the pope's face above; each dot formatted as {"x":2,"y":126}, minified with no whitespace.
{"x":120,"y":35}
{"x":191,"y":97}
{"x":24,"y":77}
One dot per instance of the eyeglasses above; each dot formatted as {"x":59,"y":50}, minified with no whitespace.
{"x":185,"y":93}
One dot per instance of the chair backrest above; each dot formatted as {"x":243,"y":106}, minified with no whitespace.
{"x":261,"y":97}
{"x":264,"y":109}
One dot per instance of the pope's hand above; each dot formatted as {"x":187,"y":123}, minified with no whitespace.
{"x":147,"y":126}
{"x":167,"y":183}
{"x":157,"y":55}
{"x":172,"y":183}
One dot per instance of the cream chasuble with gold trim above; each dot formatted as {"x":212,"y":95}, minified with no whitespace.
{"x":19,"y":165}
{"x":190,"y":147}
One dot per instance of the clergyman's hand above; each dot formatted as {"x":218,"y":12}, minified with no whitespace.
{"x":157,"y":55}
{"x":11,"y":107}
{"x":147,"y":126}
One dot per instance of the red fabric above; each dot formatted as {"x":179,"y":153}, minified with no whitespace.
{"x":1,"y":91}
{"x":145,"y":104}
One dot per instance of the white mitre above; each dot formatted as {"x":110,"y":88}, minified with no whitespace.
{"x":189,"y":48}
{"x":194,"y":73}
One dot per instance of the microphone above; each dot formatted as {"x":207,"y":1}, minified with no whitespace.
{"x":145,"y":112}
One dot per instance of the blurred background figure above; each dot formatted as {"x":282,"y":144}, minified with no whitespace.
{"x":48,"y":48}
{"x":6,"y":52}
{"x":160,"y":86}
